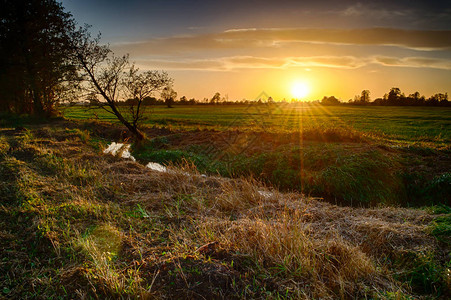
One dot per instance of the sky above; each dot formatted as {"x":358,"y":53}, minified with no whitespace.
{"x":287,"y":49}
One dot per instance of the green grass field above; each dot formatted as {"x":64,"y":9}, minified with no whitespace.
{"x":400,"y":123}
{"x":77,"y":223}
{"x":344,"y":154}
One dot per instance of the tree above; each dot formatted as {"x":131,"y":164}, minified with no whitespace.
{"x":216,"y":98}
{"x":393,"y":96}
{"x":365,"y":96}
{"x":35,"y":69}
{"x":415,"y":99}
{"x":438,"y":99}
{"x":113,"y":78}
{"x":183,"y":100}
{"x":415,"y":96}
{"x":147,"y":101}
{"x":330,"y":101}
{"x":138,"y":86}
{"x":169,"y":95}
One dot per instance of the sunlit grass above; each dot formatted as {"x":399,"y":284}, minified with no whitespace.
{"x":75,"y":223}
{"x":427,"y":124}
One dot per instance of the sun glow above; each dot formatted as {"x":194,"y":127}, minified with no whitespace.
{"x":299,"y":90}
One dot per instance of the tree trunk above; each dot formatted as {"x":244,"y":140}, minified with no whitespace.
{"x":133,"y":129}
{"x":38,"y":108}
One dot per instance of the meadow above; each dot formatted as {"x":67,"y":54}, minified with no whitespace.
{"x":299,"y":202}
{"x":78,"y":223}
{"x":359,"y":156}
{"x":401,"y":123}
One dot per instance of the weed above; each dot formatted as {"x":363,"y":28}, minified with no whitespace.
{"x":422,"y":272}
{"x":441,"y":228}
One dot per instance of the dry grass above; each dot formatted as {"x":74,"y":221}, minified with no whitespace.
{"x":112,"y":228}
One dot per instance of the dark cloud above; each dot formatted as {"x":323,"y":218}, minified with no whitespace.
{"x":138,"y":18}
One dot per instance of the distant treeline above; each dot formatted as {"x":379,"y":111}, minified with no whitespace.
{"x":394,"y":98}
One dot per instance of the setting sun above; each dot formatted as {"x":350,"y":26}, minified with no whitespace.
{"x":300,"y":90}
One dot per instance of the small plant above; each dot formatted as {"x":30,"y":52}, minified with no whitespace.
{"x":441,"y":228}
{"x":422,"y":272}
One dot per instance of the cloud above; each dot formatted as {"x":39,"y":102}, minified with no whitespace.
{"x":251,"y":62}
{"x":253,"y":38}
{"x":342,"y":62}
{"x":375,"y":11}
{"x":369,"y":36}
{"x":414,"y":62}
{"x":184,"y":64}
{"x":253,"y":48}
{"x":234,"y":63}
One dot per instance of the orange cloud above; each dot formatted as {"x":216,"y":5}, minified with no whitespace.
{"x":414,"y":62}
{"x":275,"y":37}
{"x":252,"y":62}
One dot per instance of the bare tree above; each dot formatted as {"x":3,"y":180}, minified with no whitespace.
{"x":112,"y":78}
{"x":138,"y":86}
{"x":169,"y":95}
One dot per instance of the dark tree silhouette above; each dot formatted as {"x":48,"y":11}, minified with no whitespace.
{"x":216,"y":98}
{"x":396,"y":98}
{"x":169,"y":95}
{"x":35,"y":69}
{"x":183,"y":100}
{"x":112,"y":78}
{"x":365,"y":97}
{"x":330,"y":101}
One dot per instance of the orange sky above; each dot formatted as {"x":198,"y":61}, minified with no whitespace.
{"x":241,"y":48}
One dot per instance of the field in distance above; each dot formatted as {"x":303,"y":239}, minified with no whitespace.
{"x":432,"y":124}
